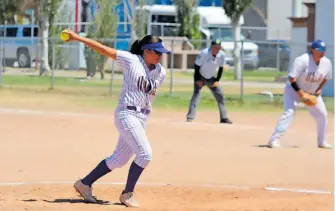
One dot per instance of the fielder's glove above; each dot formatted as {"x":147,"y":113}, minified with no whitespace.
{"x":309,"y":100}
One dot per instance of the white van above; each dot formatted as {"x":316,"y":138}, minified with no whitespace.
{"x":19,"y":43}
{"x":214,"y":24}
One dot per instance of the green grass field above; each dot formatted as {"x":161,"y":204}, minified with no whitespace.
{"x":95,"y":92}
{"x":249,"y":75}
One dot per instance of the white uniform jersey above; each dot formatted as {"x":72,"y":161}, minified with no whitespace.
{"x":208,"y":63}
{"x":139,"y":84}
{"x":308,"y":74}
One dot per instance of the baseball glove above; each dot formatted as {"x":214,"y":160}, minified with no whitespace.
{"x":309,"y":100}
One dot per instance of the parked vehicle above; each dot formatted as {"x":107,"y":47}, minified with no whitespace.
{"x":273,"y":53}
{"x":19,"y":43}
{"x":250,"y":49}
{"x":162,"y":22}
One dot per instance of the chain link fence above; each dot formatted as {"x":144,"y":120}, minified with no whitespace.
{"x":264,"y":69}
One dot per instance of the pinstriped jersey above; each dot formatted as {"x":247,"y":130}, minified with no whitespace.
{"x":139,"y":83}
{"x":308,"y":74}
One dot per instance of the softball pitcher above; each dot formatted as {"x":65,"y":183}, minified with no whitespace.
{"x":142,"y":76}
{"x":310,"y":72}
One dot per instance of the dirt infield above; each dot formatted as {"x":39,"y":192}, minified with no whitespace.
{"x":196,"y":166}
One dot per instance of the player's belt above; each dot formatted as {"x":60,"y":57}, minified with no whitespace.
{"x":142,"y":110}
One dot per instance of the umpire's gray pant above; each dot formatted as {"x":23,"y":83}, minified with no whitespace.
{"x":217,"y":93}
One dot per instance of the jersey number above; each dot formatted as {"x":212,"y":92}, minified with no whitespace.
{"x":146,"y":85}
{"x":312,"y":77}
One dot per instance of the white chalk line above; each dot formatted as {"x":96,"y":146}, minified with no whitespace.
{"x":298,"y":190}
{"x":39,"y":112}
{"x":107,"y":116}
{"x":160,"y":184}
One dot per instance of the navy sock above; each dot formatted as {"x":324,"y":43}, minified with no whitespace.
{"x":99,"y":171}
{"x":134,"y":174}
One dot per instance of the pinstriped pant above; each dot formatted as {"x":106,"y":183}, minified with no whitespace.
{"x":132,"y":140}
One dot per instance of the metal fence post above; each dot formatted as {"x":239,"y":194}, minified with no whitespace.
{"x":242,"y":70}
{"x":4,"y":48}
{"x":171,"y":69}
{"x":53,"y":64}
{"x":278,"y":56}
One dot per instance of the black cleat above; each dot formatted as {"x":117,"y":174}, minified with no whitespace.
{"x":226,"y":121}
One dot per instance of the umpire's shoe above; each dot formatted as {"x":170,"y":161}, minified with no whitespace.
{"x":226,"y":121}
{"x":85,"y":191}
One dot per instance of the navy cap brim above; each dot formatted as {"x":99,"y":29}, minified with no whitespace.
{"x":162,"y":50}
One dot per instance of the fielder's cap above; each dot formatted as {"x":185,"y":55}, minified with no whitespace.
{"x":159,"y":47}
{"x":319,"y":45}
{"x":216,"y":42}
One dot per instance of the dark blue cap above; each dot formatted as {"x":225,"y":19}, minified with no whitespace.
{"x":319,"y":45}
{"x":156,"y":47}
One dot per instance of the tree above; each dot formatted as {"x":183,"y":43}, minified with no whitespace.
{"x":141,"y":17}
{"x":46,"y":11}
{"x":189,"y":19}
{"x":8,"y":9}
{"x":184,"y":9}
{"x":62,"y":56}
{"x":234,"y":9}
{"x":103,"y":26}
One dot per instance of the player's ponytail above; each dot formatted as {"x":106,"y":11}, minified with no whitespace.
{"x":148,"y":39}
{"x":136,"y":48}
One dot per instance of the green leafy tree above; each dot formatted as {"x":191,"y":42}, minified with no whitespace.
{"x":234,"y":10}
{"x":189,"y":19}
{"x":184,"y":9}
{"x":141,"y":20}
{"x":46,"y":11}
{"x":103,"y":26}
{"x":8,"y":9}
{"x":194,"y":29}
{"x":61,"y":56}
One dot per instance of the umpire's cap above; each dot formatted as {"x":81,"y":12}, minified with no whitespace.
{"x":216,"y":42}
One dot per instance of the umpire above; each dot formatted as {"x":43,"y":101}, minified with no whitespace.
{"x":205,"y":68}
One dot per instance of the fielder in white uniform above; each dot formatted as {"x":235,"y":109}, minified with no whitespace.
{"x":206,"y":64}
{"x":310,"y":72}
{"x":142,"y":76}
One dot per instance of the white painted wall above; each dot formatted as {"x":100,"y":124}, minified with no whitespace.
{"x":324,"y":30}
{"x":298,"y":42}
{"x":279,"y":26}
